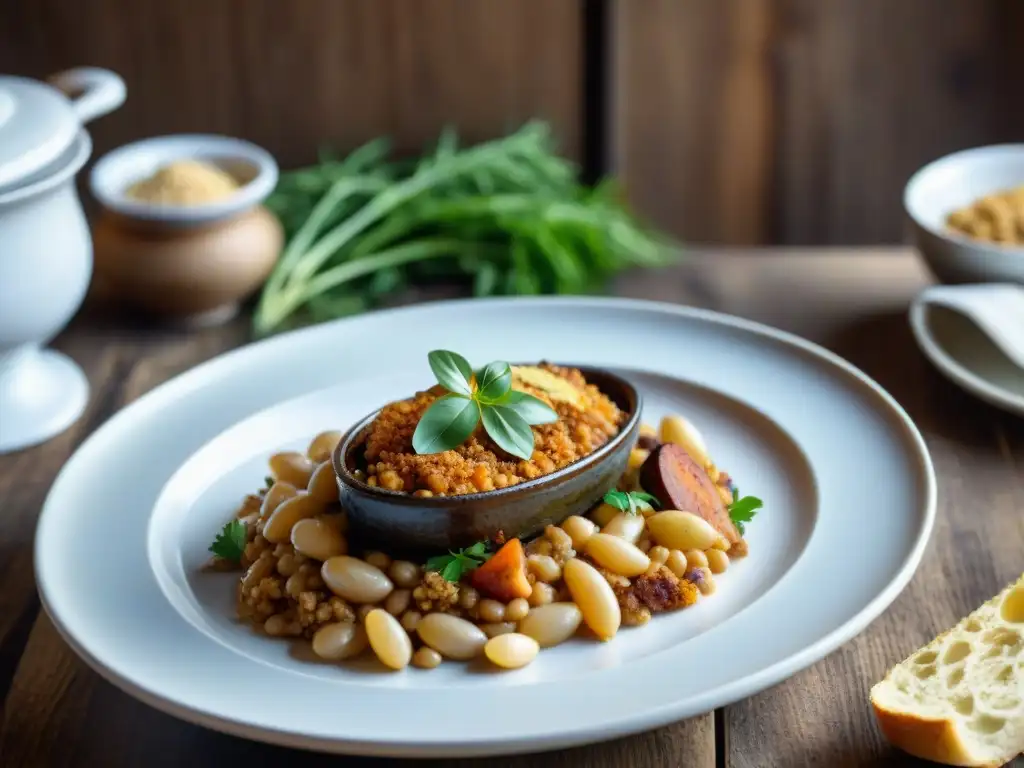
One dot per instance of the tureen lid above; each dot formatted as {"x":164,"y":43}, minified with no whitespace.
{"x":38,"y":122}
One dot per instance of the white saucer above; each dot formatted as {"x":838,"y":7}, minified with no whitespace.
{"x":966,"y":356}
{"x":42,"y":393}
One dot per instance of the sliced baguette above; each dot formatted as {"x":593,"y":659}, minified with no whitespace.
{"x":960,"y":699}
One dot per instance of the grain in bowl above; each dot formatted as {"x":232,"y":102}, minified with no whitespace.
{"x":305,"y":574}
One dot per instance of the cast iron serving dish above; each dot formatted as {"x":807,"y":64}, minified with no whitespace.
{"x":447,"y":522}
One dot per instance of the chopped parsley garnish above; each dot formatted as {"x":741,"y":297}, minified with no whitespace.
{"x":230,"y":542}
{"x":628,"y":501}
{"x":268,"y":481}
{"x":743,"y":509}
{"x":455,"y":565}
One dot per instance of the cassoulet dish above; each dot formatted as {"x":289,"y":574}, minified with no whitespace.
{"x":652,"y":543}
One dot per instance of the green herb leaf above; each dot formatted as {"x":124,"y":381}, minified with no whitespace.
{"x":494,"y":381}
{"x":446,"y":424}
{"x":508,"y":430}
{"x":269,"y":482}
{"x":452,"y":371}
{"x":627,"y":501}
{"x":230,"y":542}
{"x":456,"y":564}
{"x":743,"y":510}
{"x":532,"y":409}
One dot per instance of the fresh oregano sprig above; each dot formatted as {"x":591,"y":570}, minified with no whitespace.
{"x":473,"y":396}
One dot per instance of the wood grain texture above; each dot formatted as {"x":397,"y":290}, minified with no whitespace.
{"x":800,"y":121}
{"x":293,"y":76}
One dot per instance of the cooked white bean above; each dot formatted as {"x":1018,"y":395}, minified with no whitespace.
{"x":625,"y":526}
{"x":544,"y":567}
{"x":389,"y":641}
{"x":517,"y":609}
{"x":511,"y":651}
{"x":637,"y":457}
{"x":259,"y":570}
{"x":604,"y":514}
{"x":292,"y":467}
{"x":426,"y":658}
{"x":322,"y":446}
{"x":491,"y":611}
{"x":275,"y":496}
{"x":410,"y":620}
{"x":552,"y":624}
{"x":451,"y":636}
{"x":658,"y":555}
{"x":397,"y":602}
{"x":542,"y":594}
{"x":378,"y":560}
{"x":695,"y":558}
{"x":404,"y":573}
{"x":676,"y":429}
{"x":594,"y":597}
{"x":718,"y":561}
{"x":323,"y":485}
{"x":676,"y":562}
{"x":501,"y":628}
{"x":355,"y":580}
{"x":617,"y":555}
{"x":316,"y":538}
{"x":339,"y":640}
{"x":579,"y":529}
{"x":676,"y":529}
{"x":278,"y":527}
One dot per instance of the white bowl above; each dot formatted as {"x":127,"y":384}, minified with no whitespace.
{"x":953,"y":182}
{"x":253,"y":167}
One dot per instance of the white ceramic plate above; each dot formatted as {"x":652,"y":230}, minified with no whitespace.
{"x":965,"y":355}
{"x":126,"y":526}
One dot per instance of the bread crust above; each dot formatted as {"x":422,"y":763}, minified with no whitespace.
{"x":935,"y":739}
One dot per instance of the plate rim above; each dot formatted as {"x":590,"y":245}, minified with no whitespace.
{"x":647,"y":719}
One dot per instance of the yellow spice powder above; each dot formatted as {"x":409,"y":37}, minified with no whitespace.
{"x":184,"y":182}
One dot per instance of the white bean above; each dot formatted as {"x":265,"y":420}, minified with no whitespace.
{"x":617,"y":555}
{"x":355,"y":580}
{"x":594,"y":596}
{"x":292,"y":467}
{"x":275,"y":496}
{"x":278,"y":527}
{"x":389,"y":641}
{"x":625,"y":526}
{"x":676,"y":429}
{"x":339,"y":640}
{"x":511,"y":651}
{"x":322,"y":446}
{"x":579,"y":529}
{"x":552,"y":624}
{"x":323,"y":485}
{"x":676,"y":529}
{"x":318,"y":539}
{"x":604,"y":514}
{"x":451,"y":636}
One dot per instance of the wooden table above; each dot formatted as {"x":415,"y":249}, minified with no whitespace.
{"x":58,"y":712}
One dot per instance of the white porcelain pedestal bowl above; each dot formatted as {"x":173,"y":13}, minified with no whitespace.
{"x":45,"y":267}
{"x":45,"y":246}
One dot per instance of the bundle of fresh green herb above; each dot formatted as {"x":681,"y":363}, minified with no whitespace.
{"x":509,"y":216}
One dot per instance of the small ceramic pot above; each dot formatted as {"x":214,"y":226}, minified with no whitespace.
{"x":45,"y":250}
{"x":410,"y":524}
{"x":190,"y":264}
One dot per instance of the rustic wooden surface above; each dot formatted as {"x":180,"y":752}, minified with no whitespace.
{"x":293,"y":76}
{"x":800,"y":121}
{"x":57,"y":712}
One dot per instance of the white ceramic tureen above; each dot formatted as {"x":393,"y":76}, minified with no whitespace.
{"x":45,"y":249}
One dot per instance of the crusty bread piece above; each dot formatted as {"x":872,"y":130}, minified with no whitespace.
{"x":960,"y":699}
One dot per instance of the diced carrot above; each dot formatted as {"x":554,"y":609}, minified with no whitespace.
{"x":503,"y":577}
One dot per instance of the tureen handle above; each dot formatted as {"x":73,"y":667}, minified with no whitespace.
{"x":93,"y":91}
